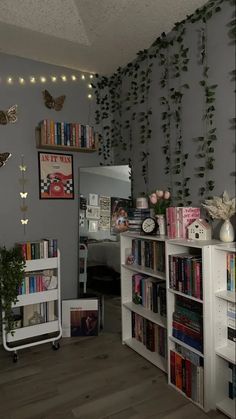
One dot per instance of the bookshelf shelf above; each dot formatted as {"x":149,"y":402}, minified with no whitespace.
{"x":226,"y":295}
{"x":185,"y":295}
{"x":147,"y":271}
{"x":143,"y":330}
{"x":38,"y":303}
{"x":227,"y":352}
{"x":190,"y":348}
{"x":65,"y":136}
{"x":183,"y":394}
{"x":224,"y":325}
{"x":227,"y":406}
{"x":152,"y":357}
{"x":147,"y":314}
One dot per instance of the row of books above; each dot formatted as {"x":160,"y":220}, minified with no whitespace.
{"x":34,"y":314}
{"x":67,"y":134}
{"x":40,"y":249}
{"x":178,"y":219}
{"x":38,"y":282}
{"x":230,"y":263}
{"x":187,"y":322}
{"x":136,"y":217}
{"x":187,"y":375}
{"x":185,"y":274}
{"x":149,"y":292}
{"x":149,"y":254}
{"x":153,"y":336}
{"x":232,"y":381}
{"x":231,"y":322}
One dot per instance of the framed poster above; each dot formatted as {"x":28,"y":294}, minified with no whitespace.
{"x":119,"y":216}
{"x":80,"y":317}
{"x":56,"y":180}
{"x":92,"y":212}
{"x":93,"y":199}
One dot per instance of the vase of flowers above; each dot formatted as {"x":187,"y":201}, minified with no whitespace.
{"x":160,"y":200}
{"x":222,"y":209}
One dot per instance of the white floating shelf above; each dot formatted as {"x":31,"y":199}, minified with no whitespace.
{"x":142,"y":311}
{"x":146,"y":271}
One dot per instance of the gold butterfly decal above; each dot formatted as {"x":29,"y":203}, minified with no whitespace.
{"x":23,"y":194}
{"x":3,"y":158}
{"x":24,"y":221}
{"x":8,"y":116}
{"x":22,"y":167}
{"x":52,"y":103}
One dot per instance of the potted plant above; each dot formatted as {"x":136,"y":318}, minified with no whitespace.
{"x":12,"y":265}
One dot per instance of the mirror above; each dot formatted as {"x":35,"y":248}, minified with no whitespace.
{"x":105,"y":193}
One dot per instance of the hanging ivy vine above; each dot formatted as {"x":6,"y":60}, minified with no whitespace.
{"x":124,"y":110}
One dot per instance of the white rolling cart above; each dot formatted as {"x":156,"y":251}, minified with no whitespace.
{"x":37,"y":334}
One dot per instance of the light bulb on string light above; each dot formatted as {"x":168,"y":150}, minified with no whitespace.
{"x":10,"y":80}
{"x":43,"y":79}
{"x":83,"y":77}
{"x":21,"y":80}
{"x":64,"y":78}
{"x":32,"y":79}
{"x":73,"y":77}
{"x":54,"y":79}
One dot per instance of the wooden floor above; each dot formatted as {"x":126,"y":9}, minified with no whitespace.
{"x":89,"y":378}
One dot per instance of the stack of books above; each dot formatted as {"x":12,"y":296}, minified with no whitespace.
{"x":66,"y":134}
{"x":149,"y":334}
{"x":187,"y":324}
{"x":149,"y":254}
{"x":150,"y":293}
{"x":178,"y":219}
{"x":185,"y":273}
{"x":187,"y":373}
{"x":230,"y":263}
{"x":232,"y":381}
{"x":136,"y":216}
{"x":231,"y":322}
{"x":45,"y":248}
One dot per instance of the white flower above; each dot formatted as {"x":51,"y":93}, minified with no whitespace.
{"x":220,"y":208}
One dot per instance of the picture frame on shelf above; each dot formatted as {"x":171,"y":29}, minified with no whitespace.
{"x":56,"y":176}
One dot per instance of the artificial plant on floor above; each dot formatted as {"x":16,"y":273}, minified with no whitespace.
{"x":12,"y":266}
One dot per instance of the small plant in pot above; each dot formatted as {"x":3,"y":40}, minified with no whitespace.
{"x":12,"y":265}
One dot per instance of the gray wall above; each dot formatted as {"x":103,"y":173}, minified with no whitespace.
{"x":47,"y":218}
{"x":221,"y":61}
{"x":102,"y":185}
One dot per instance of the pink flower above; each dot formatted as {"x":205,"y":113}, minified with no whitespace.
{"x":153,"y":198}
{"x":166,"y":195}
{"x":159,"y":194}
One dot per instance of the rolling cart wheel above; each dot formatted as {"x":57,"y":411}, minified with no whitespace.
{"x":15,"y":357}
{"x":55,"y":346}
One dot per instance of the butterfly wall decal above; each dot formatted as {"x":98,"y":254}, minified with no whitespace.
{"x":3,"y":158}
{"x":9,"y":116}
{"x":23,"y":194}
{"x":52,"y":103}
{"x":24,"y":221}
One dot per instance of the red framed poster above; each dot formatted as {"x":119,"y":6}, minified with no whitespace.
{"x":56,"y":180}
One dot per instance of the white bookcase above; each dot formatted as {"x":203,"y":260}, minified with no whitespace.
{"x":38,"y":333}
{"x":129,"y":307}
{"x":224,"y":350}
{"x":205,"y":398}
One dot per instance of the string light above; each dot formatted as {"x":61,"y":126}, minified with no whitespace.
{"x":53,"y":78}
